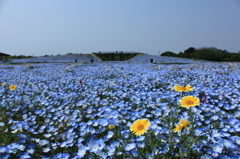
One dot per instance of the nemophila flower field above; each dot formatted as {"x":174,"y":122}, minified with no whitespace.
{"x":120,"y":110}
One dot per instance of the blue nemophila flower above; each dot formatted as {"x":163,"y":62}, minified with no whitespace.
{"x":109,"y":135}
{"x":81,"y":151}
{"x":61,"y":156}
{"x":225,"y":157}
{"x":158,"y":112}
{"x":111,"y":150}
{"x":13,"y":146}
{"x":47,"y":135}
{"x":103,"y":122}
{"x":46,"y":150}
{"x":3,"y":149}
{"x":206,"y":156}
{"x":22,"y":140}
{"x":58,"y":156}
{"x":31,"y":151}
{"x":115,"y":144}
{"x":21,"y":147}
{"x":63,"y":144}
{"x":2,"y":123}
{"x":96,"y":145}
{"x":125,"y":134}
{"x":237,"y":114}
{"x":95,"y":122}
{"x":54,"y":145}
{"x":236,"y":139}
{"x":24,"y":155}
{"x":216,"y":148}
{"x":43,"y":142}
{"x":130,"y":146}
{"x":141,"y":138}
{"x":141,"y":144}
{"x":228,"y":143}
{"x":102,"y":154}
{"x":5,"y":156}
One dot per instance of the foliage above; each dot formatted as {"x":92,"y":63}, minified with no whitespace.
{"x":19,"y":57}
{"x":209,"y":53}
{"x":168,"y":53}
{"x":189,"y":50}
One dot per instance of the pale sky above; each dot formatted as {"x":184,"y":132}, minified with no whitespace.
{"x":51,"y":27}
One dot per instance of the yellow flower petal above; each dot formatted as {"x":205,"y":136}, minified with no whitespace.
{"x":183,"y":124}
{"x":189,"y":101}
{"x":12,"y":87}
{"x":139,"y":127}
{"x":181,"y":88}
{"x":177,"y":129}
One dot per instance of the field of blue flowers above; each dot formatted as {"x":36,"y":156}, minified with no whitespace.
{"x":83,"y":110}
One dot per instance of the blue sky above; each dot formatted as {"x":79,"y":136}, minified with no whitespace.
{"x":51,"y":27}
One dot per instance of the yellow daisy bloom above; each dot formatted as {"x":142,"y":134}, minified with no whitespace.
{"x":189,"y":101}
{"x":183,"y":124}
{"x":12,"y":87}
{"x":3,"y":84}
{"x":178,"y":128}
{"x":107,"y":69}
{"x":111,"y":126}
{"x":181,"y":88}
{"x":139,"y":127}
{"x":112,"y":83}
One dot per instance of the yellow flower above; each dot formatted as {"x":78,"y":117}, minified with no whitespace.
{"x":183,"y":124}
{"x":139,"y":127}
{"x":189,"y":101}
{"x":3,"y":84}
{"x":107,"y":69}
{"x":178,"y":128}
{"x":12,"y":87}
{"x":181,"y":88}
{"x":111,"y":126}
{"x":112,"y":83}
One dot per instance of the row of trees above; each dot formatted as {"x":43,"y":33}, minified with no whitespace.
{"x":24,"y":56}
{"x":19,"y":57}
{"x":206,"y":53}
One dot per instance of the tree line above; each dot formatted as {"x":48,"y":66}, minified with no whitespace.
{"x":19,"y":57}
{"x":206,"y":53}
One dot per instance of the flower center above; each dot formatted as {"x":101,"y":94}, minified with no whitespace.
{"x":183,"y":88}
{"x":111,"y":126}
{"x":189,"y":102}
{"x":140,"y":127}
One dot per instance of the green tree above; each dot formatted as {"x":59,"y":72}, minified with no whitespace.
{"x":189,"y":53}
{"x":69,"y":53}
{"x":209,"y":53}
{"x":168,"y":53}
{"x":190,"y":50}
